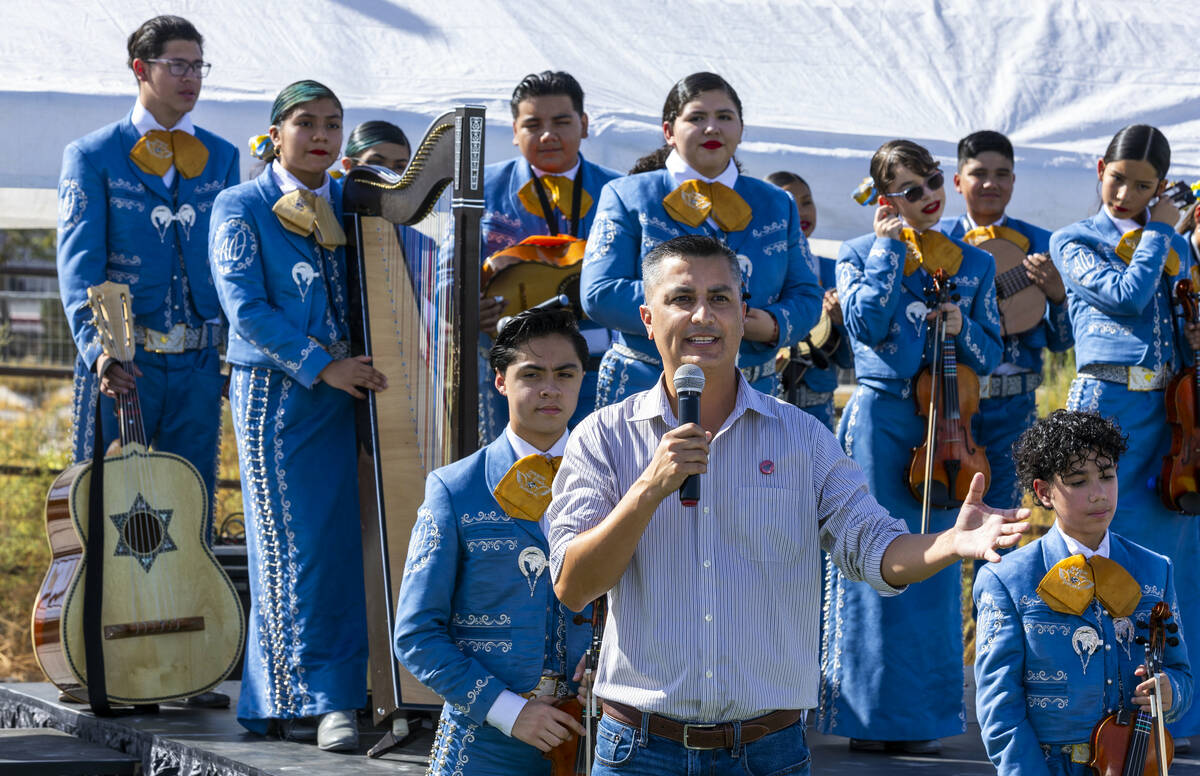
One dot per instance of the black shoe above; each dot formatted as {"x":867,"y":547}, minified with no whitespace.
{"x":929,"y":747}
{"x":1183,"y":746}
{"x":300,"y":729}
{"x":205,"y":700}
{"x":867,"y":745}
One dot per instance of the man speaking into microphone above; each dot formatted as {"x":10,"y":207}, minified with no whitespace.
{"x":710,"y":657}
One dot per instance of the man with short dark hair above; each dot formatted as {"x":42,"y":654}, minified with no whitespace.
{"x":134,"y":200}
{"x":550,"y":189}
{"x":134,"y":203}
{"x":1008,"y":403}
{"x":713,"y":608}
{"x":478,"y":621}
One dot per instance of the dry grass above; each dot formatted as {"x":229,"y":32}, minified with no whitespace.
{"x":40,"y":439}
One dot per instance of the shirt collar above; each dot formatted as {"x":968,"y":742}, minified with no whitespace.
{"x":523,"y":448}
{"x":1001,"y":221}
{"x":655,"y":403}
{"x":571,"y":173}
{"x":1074,"y":547}
{"x":682,"y":171}
{"x":1124,"y":224}
{"x":288,"y":183}
{"x":144,"y":121}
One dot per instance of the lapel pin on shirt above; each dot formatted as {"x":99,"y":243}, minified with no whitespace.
{"x":767,"y":467}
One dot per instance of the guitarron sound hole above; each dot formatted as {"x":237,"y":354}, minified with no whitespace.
{"x":143,"y":532}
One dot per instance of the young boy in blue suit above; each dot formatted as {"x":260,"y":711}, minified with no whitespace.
{"x":1055,"y":649}
{"x":134,"y":200}
{"x":549,"y":124}
{"x":1008,"y":403}
{"x":478,"y":621}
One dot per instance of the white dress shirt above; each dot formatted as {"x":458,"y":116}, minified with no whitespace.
{"x":1075,"y":547}
{"x":716,"y":618}
{"x":144,"y":121}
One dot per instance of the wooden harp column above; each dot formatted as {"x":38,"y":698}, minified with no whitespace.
{"x":416,"y":313}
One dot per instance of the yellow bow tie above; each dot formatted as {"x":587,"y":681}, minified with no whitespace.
{"x":932,"y":250}
{"x":1071,"y":584}
{"x":1129,"y":243}
{"x":524,"y":491}
{"x":157,"y":150}
{"x":694,"y":201}
{"x":304,"y":213}
{"x":993,"y":232}
{"x":560,"y":190}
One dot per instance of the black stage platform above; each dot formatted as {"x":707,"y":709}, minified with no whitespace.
{"x":186,"y":742}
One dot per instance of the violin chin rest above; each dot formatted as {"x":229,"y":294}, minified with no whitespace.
{"x":1189,"y":503}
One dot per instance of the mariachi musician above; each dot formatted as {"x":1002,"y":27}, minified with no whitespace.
{"x":1120,"y":267}
{"x":881,"y":687}
{"x":811,"y":373}
{"x":478,"y":621}
{"x":698,"y":190}
{"x":550,"y":189}
{"x":1008,"y":403}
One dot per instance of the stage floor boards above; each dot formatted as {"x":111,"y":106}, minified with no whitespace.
{"x":212,"y":743}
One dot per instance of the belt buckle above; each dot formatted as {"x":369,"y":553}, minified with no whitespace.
{"x":985,"y":387}
{"x":687,"y":728}
{"x":170,"y":341}
{"x":1141,"y":379}
{"x":1081,"y":753}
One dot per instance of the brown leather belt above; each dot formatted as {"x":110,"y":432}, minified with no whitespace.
{"x":719,"y":736}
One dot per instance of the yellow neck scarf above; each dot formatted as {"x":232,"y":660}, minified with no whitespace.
{"x":1073,"y":582}
{"x":694,"y":201}
{"x":157,"y":150}
{"x":1129,"y":243}
{"x":524,"y":491}
{"x":560,"y":190}
{"x":993,"y":232}
{"x":932,"y":250}
{"x":304,"y":213}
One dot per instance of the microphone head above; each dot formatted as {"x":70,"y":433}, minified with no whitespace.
{"x":688,"y":378}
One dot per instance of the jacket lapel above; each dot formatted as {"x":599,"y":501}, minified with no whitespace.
{"x":270,"y":193}
{"x":129,"y":138}
{"x":499,"y":459}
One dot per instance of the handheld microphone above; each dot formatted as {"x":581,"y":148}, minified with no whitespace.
{"x":689,"y":383}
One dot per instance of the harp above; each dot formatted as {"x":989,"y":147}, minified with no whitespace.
{"x":414,"y":288}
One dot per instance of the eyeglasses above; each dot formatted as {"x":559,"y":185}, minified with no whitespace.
{"x":181,"y":67}
{"x":915,"y":192}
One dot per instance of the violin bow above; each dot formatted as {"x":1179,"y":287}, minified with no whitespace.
{"x":931,"y":426}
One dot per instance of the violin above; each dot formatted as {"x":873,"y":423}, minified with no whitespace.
{"x":574,"y":757}
{"x":947,"y":394}
{"x":1141,"y":746}
{"x":1177,"y":483}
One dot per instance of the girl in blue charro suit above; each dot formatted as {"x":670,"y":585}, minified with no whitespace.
{"x":1120,"y":268}
{"x":892,"y":670}
{"x":700,"y":191}
{"x":277,"y":256}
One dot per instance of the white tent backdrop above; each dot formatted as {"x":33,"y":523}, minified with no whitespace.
{"x":823,"y":82}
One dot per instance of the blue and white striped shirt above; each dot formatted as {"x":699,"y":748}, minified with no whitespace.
{"x":717,"y":616}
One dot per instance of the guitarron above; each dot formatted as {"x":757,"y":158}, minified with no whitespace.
{"x":415,"y":311}
{"x":171,"y":621}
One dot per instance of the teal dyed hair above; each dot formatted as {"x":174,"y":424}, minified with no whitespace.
{"x":295,"y":95}
{"x":372,"y":133}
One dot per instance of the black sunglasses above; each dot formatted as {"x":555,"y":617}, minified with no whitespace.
{"x":915,"y":192}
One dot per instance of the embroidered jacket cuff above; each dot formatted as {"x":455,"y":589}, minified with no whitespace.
{"x":311,"y":366}
{"x":504,"y":712}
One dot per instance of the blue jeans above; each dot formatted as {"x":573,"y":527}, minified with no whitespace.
{"x":621,"y":749}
